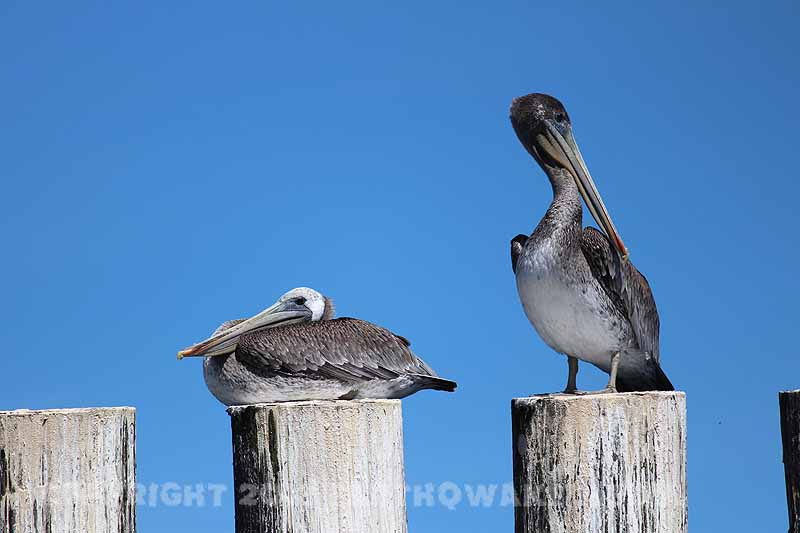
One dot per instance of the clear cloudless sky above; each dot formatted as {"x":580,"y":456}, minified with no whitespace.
{"x":167,"y":166}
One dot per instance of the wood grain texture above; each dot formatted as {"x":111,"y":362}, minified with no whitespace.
{"x":68,"y":470}
{"x":611,"y":463}
{"x":790,"y":433}
{"x":319,"y":467}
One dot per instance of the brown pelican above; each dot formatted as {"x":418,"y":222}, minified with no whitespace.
{"x":295,"y":350}
{"x":578,"y":289}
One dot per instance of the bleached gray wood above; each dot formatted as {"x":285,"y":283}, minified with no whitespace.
{"x":600,"y":463}
{"x":68,"y":470}
{"x":790,"y":432}
{"x":319,"y":467}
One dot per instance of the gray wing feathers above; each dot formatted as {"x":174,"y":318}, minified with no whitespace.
{"x":626,"y":286}
{"x":346,"y":349}
{"x":517,"y":245}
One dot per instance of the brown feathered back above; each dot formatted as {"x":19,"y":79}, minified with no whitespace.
{"x":344,"y":349}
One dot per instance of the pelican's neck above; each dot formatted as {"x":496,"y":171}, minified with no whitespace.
{"x":556,"y":240}
{"x":565,"y":211}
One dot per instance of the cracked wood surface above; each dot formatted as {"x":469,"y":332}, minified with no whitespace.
{"x":68,"y":470}
{"x":611,"y":463}
{"x":319,"y":467}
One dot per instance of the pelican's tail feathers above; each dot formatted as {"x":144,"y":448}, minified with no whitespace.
{"x":435,"y":383}
{"x":639,"y":372}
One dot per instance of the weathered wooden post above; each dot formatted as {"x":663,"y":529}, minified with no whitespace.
{"x":608,"y":462}
{"x":790,"y":432}
{"x":319,"y":467}
{"x":68,"y":470}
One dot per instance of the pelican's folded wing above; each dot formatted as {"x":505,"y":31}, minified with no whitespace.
{"x":346,"y":349}
{"x":626,"y":286}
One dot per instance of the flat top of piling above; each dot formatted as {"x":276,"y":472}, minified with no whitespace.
{"x":564,"y":397}
{"x":68,"y":411}
{"x":236,"y":409}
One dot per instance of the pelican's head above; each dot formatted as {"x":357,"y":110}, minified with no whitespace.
{"x":530,"y":115}
{"x":298,"y":305}
{"x":320,"y":307}
{"x":544,"y":129}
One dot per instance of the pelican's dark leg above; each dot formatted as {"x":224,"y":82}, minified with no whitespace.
{"x":572,"y":385}
{"x":612,"y":377}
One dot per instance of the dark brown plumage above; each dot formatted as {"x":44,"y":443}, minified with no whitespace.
{"x":517,"y":244}
{"x":627,"y":288}
{"x":345,"y":349}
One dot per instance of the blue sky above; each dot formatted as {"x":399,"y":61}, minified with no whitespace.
{"x":167,"y":167}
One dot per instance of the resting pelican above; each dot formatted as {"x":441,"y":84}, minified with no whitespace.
{"x":578,"y":289}
{"x":295,"y":350}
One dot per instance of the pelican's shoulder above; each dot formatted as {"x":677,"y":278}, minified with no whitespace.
{"x":356,"y":327}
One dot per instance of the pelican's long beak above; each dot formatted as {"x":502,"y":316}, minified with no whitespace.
{"x":564,"y":149}
{"x":225,"y":342}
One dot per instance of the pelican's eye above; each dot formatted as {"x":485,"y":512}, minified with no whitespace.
{"x":560,"y":117}
{"x":300,"y":301}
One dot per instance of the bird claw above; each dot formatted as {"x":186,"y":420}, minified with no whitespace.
{"x":574,"y":392}
{"x":607,"y":390}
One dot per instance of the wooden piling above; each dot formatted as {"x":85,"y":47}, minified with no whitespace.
{"x":790,"y":434}
{"x":608,"y":462}
{"x":319,"y":467}
{"x":68,"y":470}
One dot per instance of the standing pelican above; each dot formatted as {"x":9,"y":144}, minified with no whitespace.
{"x":294,"y":350}
{"x":580,"y":292}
